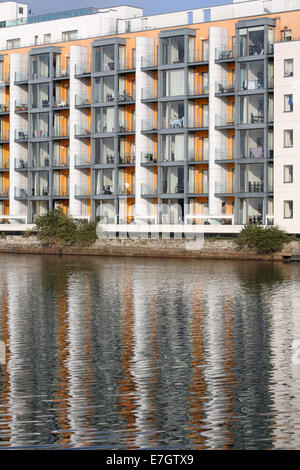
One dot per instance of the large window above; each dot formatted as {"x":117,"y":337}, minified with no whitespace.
{"x":288,"y":103}
{"x":173,"y":83}
{"x":172,"y":181}
{"x":40,"y":66}
{"x":104,"y":151}
{"x":104,"y":89}
{"x":172,"y":114}
{"x":40,"y":154}
{"x":251,"y":41}
{"x":70,"y":35}
{"x":104,"y":182}
{"x":251,"y":144}
{"x":13,"y":43}
{"x":104,"y":58}
{"x":172,"y":50}
{"x":40,"y":125}
{"x":251,"y":109}
{"x":105,"y":120}
{"x":172,"y":148}
{"x":252,"y":178}
{"x":252,"y":75}
{"x":40,"y":96}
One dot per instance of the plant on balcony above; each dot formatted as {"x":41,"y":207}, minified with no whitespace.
{"x":262,"y":240}
{"x":56,"y":228}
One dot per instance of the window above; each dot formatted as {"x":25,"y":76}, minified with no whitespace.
{"x":13,"y":43}
{"x":288,"y":67}
{"x":288,"y":173}
{"x":288,"y":138}
{"x":47,"y":38}
{"x":21,"y":10}
{"x":173,"y":83}
{"x":69,"y":35}
{"x":288,"y":103}
{"x":288,"y":209}
{"x":286,"y":35}
{"x":173,"y":50}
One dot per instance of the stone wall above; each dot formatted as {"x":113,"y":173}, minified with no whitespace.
{"x":210,"y":249}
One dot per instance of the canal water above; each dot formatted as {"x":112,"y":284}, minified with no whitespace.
{"x":147,"y":353}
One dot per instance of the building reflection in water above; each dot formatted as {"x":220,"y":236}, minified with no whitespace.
{"x":148,"y":354}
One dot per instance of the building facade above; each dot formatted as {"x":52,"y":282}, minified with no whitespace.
{"x":186,"y":117}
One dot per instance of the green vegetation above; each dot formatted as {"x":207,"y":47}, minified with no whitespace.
{"x":57,"y":228}
{"x":263,"y":240}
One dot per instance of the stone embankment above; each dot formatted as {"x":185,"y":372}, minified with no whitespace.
{"x":210,"y":248}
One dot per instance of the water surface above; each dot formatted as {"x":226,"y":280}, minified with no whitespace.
{"x":147,"y":353}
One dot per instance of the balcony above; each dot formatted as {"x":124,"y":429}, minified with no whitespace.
{"x":82,"y":69}
{"x":198,"y":90}
{"x":148,"y":125}
{"x":21,"y":77}
{"x":21,"y":135}
{"x":224,"y":54}
{"x":149,"y":93}
{"x":82,"y":160}
{"x":61,"y":72}
{"x":60,"y":192}
{"x":198,"y":123}
{"x":223,"y":188}
{"x":197,"y":188}
{"x":61,"y":132}
{"x":255,"y":187}
{"x":148,"y":158}
{"x":4,"y":194}
{"x":40,"y":192}
{"x":58,"y":103}
{"x":125,"y":190}
{"x":21,"y":163}
{"x":4,"y":136}
{"x":125,"y":97}
{"x":148,"y":61}
{"x":4,"y":108}
{"x":20,"y":193}
{"x":40,"y":161}
{"x":127,"y":159}
{"x":82,"y":191}
{"x":60,"y":161}
{"x":222,"y":154}
{"x":82,"y":101}
{"x":4,"y":78}
{"x":224,"y":120}
{"x":40,"y":133}
{"x":224,"y":87}
{"x":148,"y":189}
{"x":194,"y":156}
{"x":127,"y":127}
{"x":21,"y":107}
{"x":81,"y":131}
{"x":198,"y":56}
{"x":126,"y":64}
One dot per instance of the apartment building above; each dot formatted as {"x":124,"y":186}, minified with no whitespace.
{"x":186,"y":117}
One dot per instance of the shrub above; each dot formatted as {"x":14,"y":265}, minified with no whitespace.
{"x":263,"y":240}
{"x":57,"y":228}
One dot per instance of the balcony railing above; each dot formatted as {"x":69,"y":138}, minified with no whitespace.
{"x":21,"y":164}
{"x":198,"y":55}
{"x":126,"y":97}
{"x":148,"y":125}
{"x":224,"y":86}
{"x":21,"y":76}
{"x":39,"y":133}
{"x":82,"y":160}
{"x":223,"y":188}
{"x":224,"y":120}
{"x":223,"y":154}
{"x":40,"y":192}
{"x":148,"y":189}
{"x":20,"y":193}
{"x":61,"y":132}
{"x":127,"y":127}
{"x":60,"y":160}
{"x":21,"y":107}
{"x":4,"y":108}
{"x":224,"y":54}
{"x":148,"y":61}
{"x":21,"y":134}
{"x":126,"y":159}
{"x":108,"y":159}
{"x":148,"y":157}
{"x":82,"y":100}
{"x":4,"y":135}
{"x":4,"y":78}
{"x":149,"y":93}
{"x":255,"y":187}
{"x":41,"y":162}
{"x":60,"y":192}
{"x":127,"y":64}
{"x":198,"y":123}
{"x":198,"y":90}
{"x":61,"y":72}
{"x":82,"y":191}
{"x":61,"y":103}
{"x":197,"y":157}
{"x":124,"y":191}
{"x":4,"y":193}
{"x":82,"y":69}
{"x":197,"y":188}
{"x":81,"y":130}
